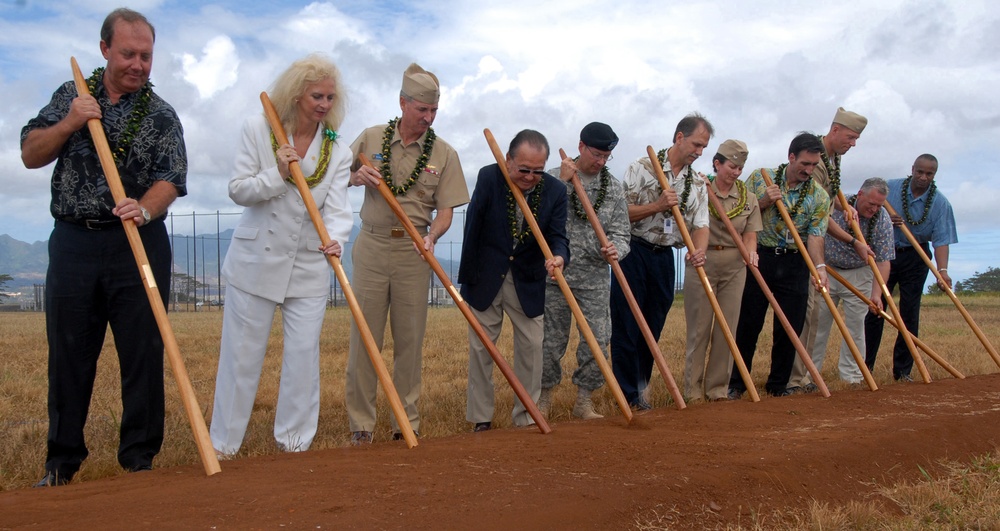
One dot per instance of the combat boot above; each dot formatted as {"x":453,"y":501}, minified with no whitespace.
{"x":584,"y":408}
{"x":545,"y":402}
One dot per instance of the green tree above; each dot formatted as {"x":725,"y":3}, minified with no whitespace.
{"x":987,"y":282}
{"x":4,"y":279}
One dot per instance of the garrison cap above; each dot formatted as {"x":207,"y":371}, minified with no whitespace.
{"x":599,"y":136}
{"x":421,"y":85}
{"x":734,"y":151}
{"x":851,"y":120}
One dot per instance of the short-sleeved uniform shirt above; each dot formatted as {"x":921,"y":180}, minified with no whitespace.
{"x":747,"y":220}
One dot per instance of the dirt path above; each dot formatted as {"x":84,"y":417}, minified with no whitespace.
{"x":709,"y":464}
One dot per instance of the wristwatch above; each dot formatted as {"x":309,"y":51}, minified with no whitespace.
{"x":145,"y":215}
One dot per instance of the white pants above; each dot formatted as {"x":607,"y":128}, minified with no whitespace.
{"x":528,"y":333}
{"x":854,"y":319}
{"x":246,"y":326}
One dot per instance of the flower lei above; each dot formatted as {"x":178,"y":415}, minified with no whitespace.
{"x":536,"y":201}
{"x":688,"y":179}
{"x":833,"y":172}
{"x":804,"y":190}
{"x":325,"y":149}
{"x":425,"y":156}
{"x":740,"y":204}
{"x":601,"y":193}
{"x":870,"y":228}
{"x":931,"y":192}
{"x":139,"y":111}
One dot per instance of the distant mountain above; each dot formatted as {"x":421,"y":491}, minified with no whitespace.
{"x":198,"y":256}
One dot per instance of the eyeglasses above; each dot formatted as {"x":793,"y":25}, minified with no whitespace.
{"x":600,"y":156}
{"x":526,"y":171}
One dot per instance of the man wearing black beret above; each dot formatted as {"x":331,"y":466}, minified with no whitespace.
{"x":588,"y":277}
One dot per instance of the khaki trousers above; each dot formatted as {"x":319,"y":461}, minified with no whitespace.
{"x":527,"y":356}
{"x":708,"y":362}
{"x":390,"y":278}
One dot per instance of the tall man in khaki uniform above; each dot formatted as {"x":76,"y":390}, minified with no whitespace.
{"x":425,"y":175}
{"x":844,"y":133}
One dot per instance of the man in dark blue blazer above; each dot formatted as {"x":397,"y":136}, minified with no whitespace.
{"x":503,"y":269}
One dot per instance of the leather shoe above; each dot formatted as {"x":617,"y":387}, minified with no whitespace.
{"x":397,"y":436}
{"x":361,"y":437}
{"x":140,"y":468}
{"x":52,"y":479}
{"x":640,"y":404}
{"x":482,"y":426}
{"x":734,"y":394}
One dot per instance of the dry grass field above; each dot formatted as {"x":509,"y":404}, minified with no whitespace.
{"x":23,"y":387}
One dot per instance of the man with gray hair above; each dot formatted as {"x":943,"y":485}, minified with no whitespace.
{"x":841,"y":257}
{"x":649,"y":266}
{"x":425,"y":175}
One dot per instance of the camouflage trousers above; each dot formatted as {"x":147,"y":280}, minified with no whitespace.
{"x":596,"y":307}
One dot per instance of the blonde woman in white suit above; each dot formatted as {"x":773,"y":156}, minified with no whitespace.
{"x":276,"y":257}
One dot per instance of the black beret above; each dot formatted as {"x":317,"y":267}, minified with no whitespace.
{"x":599,"y":136}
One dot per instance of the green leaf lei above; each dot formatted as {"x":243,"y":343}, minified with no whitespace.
{"x":931,"y":192}
{"x":870,"y":228}
{"x":536,"y":200}
{"x":325,"y":149}
{"x":832,"y":171}
{"x":740,"y":204}
{"x":425,"y":156}
{"x":139,"y":111}
{"x":601,"y":193}
{"x":661,"y":155}
{"x":804,"y":190}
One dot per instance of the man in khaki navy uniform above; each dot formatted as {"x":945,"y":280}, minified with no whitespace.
{"x":844,"y":133}
{"x":389,"y":275}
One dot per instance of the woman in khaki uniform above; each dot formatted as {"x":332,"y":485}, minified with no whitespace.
{"x":708,"y":362}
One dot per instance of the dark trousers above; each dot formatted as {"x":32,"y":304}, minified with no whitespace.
{"x":787,"y":276}
{"x":93,"y":281}
{"x":649,"y":272}
{"x":909,"y":271}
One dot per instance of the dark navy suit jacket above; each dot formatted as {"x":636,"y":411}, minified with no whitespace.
{"x":488,"y":253}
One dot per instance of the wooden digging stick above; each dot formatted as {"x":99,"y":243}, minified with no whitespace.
{"x":887,"y":295}
{"x":947,"y":289}
{"x":804,"y":251}
{"x":720,"y":318}
{"x":616,"y":268}
{"x":201,"y":438}
{"x":581,"y":321}
{"x":888,"y":318}
{"x":374,"y":353}
{"x":779,"y":314}
{"x":508,"y":373}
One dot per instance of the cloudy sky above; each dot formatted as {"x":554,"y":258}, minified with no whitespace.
{"x":922,"y":71}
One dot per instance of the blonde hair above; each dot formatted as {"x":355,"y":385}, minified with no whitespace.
{"x":289,"y":87}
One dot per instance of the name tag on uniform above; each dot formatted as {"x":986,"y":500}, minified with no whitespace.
{"x":376,"y":156}
{"x":668,"y":225}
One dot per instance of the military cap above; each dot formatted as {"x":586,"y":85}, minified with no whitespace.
{"x":421,"y":85}
{"x":599,"y":136}
{"x":735,"y":151}
{"x":851,"y":120}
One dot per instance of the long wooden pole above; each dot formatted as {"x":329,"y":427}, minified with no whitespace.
{"x":202,"y":440}
{"x":887,"y":295}
{"x":779,"y":314}
{"x":889,"y":319}
{"x":804,"y":251}
{"x":374,"y":353}
{"x":508,"y":373}
{"x":616,"y":268}
{"x":588,"y":335}
{"x":720,"y":318}
{"x":947,"y":289}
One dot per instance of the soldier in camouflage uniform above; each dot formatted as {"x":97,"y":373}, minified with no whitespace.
{"x":588,"y":276}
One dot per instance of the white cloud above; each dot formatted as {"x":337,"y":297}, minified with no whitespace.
{"x":215,"y":70}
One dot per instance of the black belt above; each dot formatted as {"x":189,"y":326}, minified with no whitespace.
{"x":776,"y":250}
{"x":651,"y":246}
{"x":94,"y":224}
{"x":909,"y":249}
